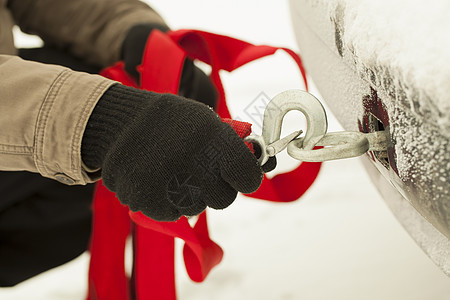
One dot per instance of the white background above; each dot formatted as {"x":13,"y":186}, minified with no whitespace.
{"x":339,"y":241}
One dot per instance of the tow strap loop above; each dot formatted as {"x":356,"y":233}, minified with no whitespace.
{"x":153,"y":275}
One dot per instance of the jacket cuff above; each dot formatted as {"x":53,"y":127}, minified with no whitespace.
{"x":61,"y":123}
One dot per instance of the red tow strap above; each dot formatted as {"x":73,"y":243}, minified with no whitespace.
{"x":153,"y":242}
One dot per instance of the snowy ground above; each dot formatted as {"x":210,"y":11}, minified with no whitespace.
{"x":339,"y":241}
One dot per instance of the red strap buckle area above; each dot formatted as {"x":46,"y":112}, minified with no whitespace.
{"x":153,"y":242}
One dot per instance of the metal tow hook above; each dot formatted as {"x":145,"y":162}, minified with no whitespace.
{"x":278,"y":107}
{"x":335,"y":145}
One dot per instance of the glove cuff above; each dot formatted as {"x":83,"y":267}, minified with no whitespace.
{"x":118,"y":106}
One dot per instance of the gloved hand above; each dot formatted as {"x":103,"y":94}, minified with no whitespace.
{"x":165,"y":155}
{"x":194,"y":83}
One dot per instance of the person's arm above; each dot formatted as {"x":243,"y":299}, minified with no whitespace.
{"x":162,"y":154}
{"x":93,"y":30}
{"x":44,"y":110}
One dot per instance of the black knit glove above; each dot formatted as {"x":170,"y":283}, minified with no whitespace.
{"x":165,"y":155}
{"x":194,"y":84}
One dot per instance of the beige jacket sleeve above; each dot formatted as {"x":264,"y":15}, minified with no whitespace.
{"x":89,"y":29}
{"x":44,"y":110}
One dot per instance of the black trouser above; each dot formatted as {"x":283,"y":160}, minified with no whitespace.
{"x":43,"y":223}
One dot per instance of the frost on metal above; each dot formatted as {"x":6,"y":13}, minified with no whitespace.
{"x":410,"y":38}
{"x":400,"y":51}
{"x":403,"y":54}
